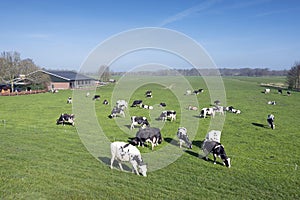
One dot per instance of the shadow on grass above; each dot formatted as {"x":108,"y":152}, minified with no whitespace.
{"x":171,"y":141}
{"x":259,"y":125}
{"x":106,"y":161}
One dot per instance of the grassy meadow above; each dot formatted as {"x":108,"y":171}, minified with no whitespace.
{"x":42,"y":160}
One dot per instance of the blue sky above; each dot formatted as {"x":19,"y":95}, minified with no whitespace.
{"x":235,"y":33}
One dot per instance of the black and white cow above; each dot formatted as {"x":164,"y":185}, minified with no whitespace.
{"x":162,"y":104}
{"x":270,"y":120}
{"x":232,"y":110}
{"x":196,"y":92}
{"x":168,"y":114}
{"x":207,"y":111}
{"x":122,"y":104}
{"x":148,"y":94}
{"x":136,"y":103}
{"x":66,"y":119}
{"x":69,"y":100}
{"x":123,"y":152}
{"x":183,"y":137}
{"x":117,"y":111}
{"x":279,"y":91}
{"x":288,"y":93}
{"x":271,"y":102}
{"x":146,"y":106}
{"x":217,"y":149}
{"x":267,"y":90}
{"x":219,"y":109}
{"x":96,"y":97}
{"x":149,"y":134}
{"x":136,"y":120}
{"x":105,"y":102}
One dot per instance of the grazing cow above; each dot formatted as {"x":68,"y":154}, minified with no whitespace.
{"x":235,"y":111}
{"x":168,"y":114}
{"x":66,"y":119}
{"x":122,"y":104}
{"x":192,"y":108}
{"x":279,"y":91}
{"x":142,"y":121}
{"x":105,"y":102}
{"x":271,"y":102}
{"x":69,"y":100}
{"x":162,"y":104}
{"x":116,"y":111}
{"x":183,"y":137}
{"x":267,"y":90}
{"x":270,"y":120}
{"x":288,"y":93}
{"x":207,"y":111}
{"x":96,"y":97}
{"x":148,"y":94}
{"x":136,"y":103}
{"x":148,"y":134}
{"x":196,"y":92}
{"x":217,"y":149}
{"x":219,"y":109}
{"x":123,"y":152}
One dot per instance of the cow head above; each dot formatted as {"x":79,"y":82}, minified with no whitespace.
{"x":143,"y":169}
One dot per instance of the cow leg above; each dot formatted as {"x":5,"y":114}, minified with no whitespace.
{"x":134,"y":169}
{"x":120,"y":165}
{"x":112,"y":161}
{"x":132,"y":126}
{"x":215,"y":158}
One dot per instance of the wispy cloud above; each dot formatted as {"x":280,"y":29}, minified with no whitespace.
{"x":190,"y":11}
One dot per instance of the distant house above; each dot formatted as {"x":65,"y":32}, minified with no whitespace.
{"x":68,"y":79}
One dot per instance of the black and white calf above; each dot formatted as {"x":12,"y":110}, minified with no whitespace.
{"x":69,"y":100}
{"x":271,"y":102}
{"x":279,"y":91}
{"x":142,"y":121}
{"x":123,"y":152}
{"x":96,"y":97}
{"x":136,"y":103}
{"x":183,"y":137}
{"x":105,"y":102}
{"x":148,"y":94}
{"x":66,"y":119}
{"x":117,"y":111}
{"x":162,"y":104}
{"x":207,"y":111}
{"x":217,"y":149}
{"x":196,"y":92}
{"x":270,"y":120}
{"x":168,"y":114}
{"x":149,"y":134}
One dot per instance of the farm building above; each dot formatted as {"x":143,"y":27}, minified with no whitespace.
{"x":68,"y":79}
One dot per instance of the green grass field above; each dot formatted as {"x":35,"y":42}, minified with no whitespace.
{"x":42,"y":160}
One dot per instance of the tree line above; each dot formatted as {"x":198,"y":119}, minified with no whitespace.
{"x":12,"y":67}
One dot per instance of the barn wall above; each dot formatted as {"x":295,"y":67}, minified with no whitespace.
{"x":59,"y":85}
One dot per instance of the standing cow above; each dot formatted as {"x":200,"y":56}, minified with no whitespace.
{"x":168,"y":114}
{"x":149,"y":134}
{"x":207,"y":111}
{"x":136,"y":120}
{"x":270,"y":120}
{"x":123,"y":152}
{"x":183,"y":137}
{"x":217,"y":149}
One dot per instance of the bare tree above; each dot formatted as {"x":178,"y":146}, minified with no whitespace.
{"x":293,"y":77}
{"x":10,"y":67}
